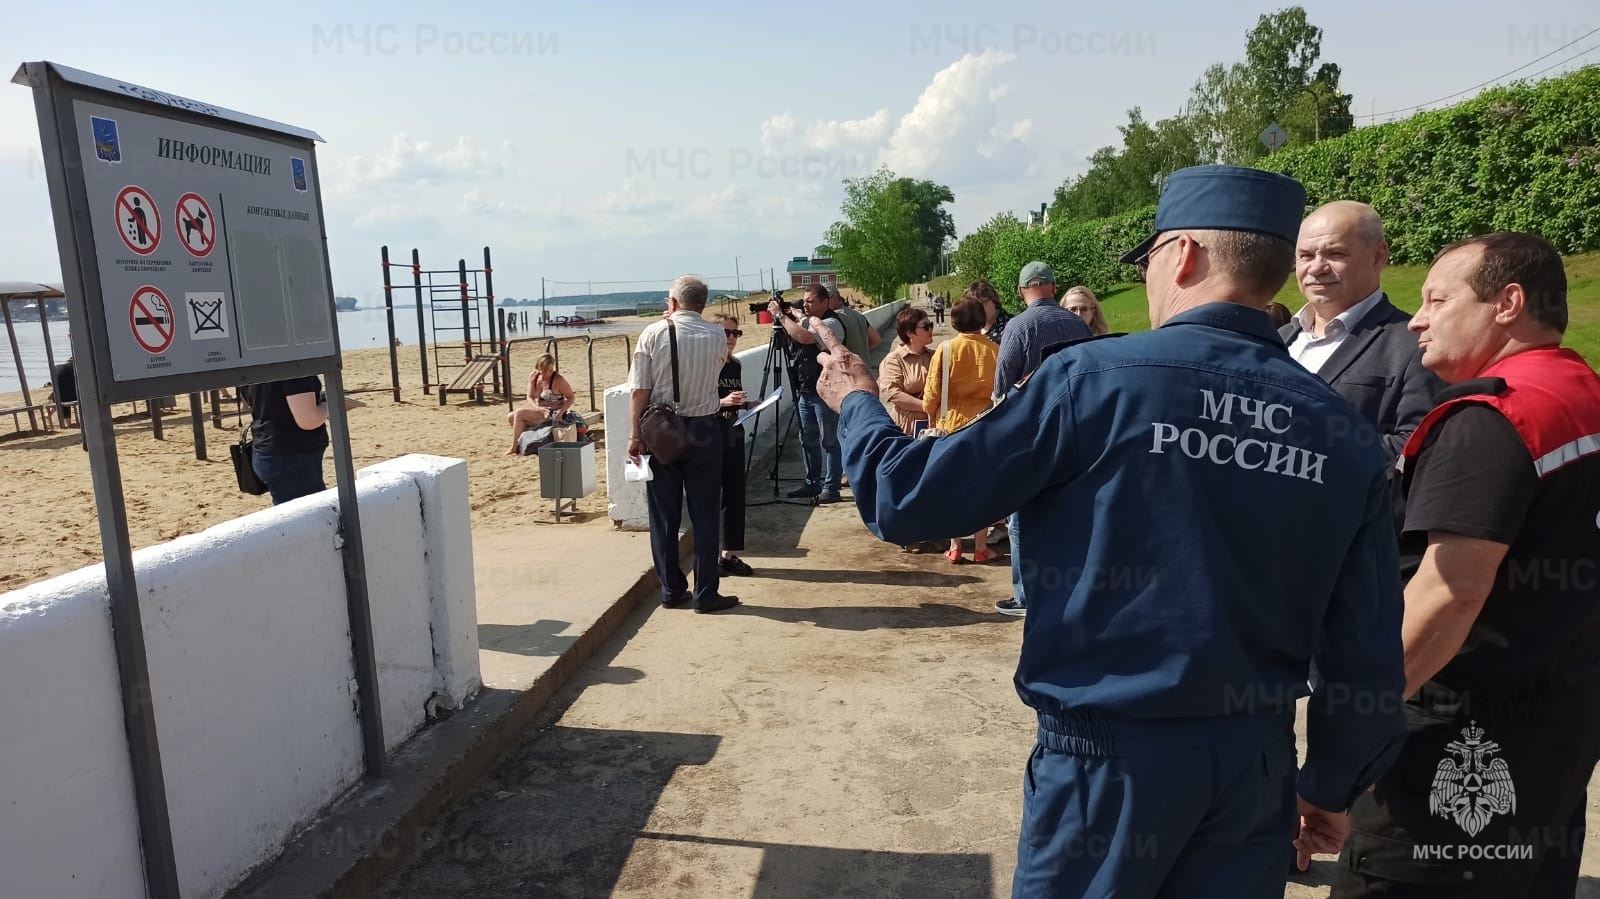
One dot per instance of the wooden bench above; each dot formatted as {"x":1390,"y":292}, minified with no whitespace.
{"x":42,"y":409}
{"x":471,"y":378}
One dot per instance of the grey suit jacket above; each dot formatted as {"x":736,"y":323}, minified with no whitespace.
{"x":1378,"y":369}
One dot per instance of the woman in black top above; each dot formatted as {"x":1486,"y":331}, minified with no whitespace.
{"x":289,"y":436}
{"x":730,"y":388}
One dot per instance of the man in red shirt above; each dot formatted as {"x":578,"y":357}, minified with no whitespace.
{"x":1502,"y":620}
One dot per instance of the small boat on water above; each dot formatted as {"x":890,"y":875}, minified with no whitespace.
{"x":574,"y":321}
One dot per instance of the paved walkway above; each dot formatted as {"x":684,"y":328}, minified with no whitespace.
{"x":852,"y":730}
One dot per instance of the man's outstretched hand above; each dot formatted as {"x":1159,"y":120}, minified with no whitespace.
{"x":843,"y":372}
{"x":1318,"y":832}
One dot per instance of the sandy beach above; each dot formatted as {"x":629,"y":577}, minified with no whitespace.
{"x":47,"y":498}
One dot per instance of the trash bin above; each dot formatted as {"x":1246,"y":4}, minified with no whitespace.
{"x":566,"y":470}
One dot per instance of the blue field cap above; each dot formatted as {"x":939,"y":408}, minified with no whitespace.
{"x":1227,"y":198}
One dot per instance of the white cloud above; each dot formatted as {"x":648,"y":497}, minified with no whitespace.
{"x":418,"y":163}
{"x":784,"y":133}
{"x":955,"y":130}
{"x":630,"y":199}
{"x":408,"y":217}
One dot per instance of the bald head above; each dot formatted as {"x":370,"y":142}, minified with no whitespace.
{"x":1339,"y":258}
{"x":1357,"y":219}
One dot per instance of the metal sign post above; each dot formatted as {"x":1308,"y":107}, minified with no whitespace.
{"x":194,"y":257}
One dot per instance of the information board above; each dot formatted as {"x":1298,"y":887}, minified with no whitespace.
{"x":199,"y":239}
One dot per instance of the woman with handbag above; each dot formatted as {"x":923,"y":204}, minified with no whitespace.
{"x":288,"y":436}
{"x":959,"y":387}
{"x":904,"y":371}
{"x":730,"y":390}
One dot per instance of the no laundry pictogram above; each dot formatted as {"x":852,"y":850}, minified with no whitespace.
{"x":138,"y":221}
{"x":197,"y":230}
{"x":150,"y":317}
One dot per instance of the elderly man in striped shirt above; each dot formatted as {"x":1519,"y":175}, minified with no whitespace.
{"x":700,"y":348}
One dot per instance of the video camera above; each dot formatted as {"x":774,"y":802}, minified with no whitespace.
{"x":783,"y":304}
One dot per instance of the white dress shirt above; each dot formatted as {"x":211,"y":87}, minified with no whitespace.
{"x":702,"y":348}
{"x":1313,"y":352}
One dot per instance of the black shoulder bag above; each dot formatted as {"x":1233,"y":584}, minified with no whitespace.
{"x":243,"y":469}
{"x":662,"y":430}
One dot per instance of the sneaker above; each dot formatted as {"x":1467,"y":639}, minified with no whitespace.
{"x":805,"y":491}
{"x":720,"y":604}
{"x":829,"y":498}
{"x":735,"y":565}
{"x":1011,"y":607}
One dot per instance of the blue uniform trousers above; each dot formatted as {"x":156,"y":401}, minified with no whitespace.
{"x":699,"y":478}
{"x":1129,"y":808}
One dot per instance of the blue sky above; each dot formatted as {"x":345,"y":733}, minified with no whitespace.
{"x":633,"y":141}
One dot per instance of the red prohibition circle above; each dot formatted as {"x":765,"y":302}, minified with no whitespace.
{"x":138,"y":220}
{"x":192,"y":229}
{"x":140,"y":316}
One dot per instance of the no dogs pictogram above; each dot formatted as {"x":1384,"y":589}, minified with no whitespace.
{"x":138,"y":221}
{"x":150,"y":317}
{"x":197,"y":230}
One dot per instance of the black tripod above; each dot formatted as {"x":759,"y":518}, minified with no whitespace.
{"x":778,"y":361}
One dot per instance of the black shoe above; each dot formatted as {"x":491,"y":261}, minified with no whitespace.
{"x":675,"y":600}
{"x":828,"y":499}
{"x":1011,"y":607}
{"x":805,"y":491}
{"x":735,"y":565}
{"x":720,"y":604}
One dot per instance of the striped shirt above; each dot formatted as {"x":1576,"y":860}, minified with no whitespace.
{"x":702,"y":348}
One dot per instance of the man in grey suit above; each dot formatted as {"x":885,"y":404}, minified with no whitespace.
{"x":1348,"y":332}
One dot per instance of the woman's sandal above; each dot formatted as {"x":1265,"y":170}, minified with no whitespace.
{"x":954,"y":555}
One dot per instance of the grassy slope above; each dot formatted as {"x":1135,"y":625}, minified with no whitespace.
{"x":1126,"y":310}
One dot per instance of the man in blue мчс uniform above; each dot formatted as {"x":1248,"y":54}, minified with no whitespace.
{"x":1170,"y":483}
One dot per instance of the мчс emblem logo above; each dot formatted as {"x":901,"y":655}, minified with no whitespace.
{"x":1472,"y":784}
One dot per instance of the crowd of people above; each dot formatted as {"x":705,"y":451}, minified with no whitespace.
{"x":1392,"y":515}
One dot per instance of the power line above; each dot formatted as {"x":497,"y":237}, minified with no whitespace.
{"x":1507,"y":74}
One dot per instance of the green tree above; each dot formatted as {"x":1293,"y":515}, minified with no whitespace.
{"x":973,"y":254}
{"x":1279,"y":80}
{"x":933,"y":223}
{"x":878,"y":245}
{"x":1120,"y":180}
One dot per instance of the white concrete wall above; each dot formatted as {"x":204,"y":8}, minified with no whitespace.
{"x":248,"y":639}
{"x":626,"y":499}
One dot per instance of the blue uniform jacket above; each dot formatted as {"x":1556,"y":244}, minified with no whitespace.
{"x":1203,"y":520}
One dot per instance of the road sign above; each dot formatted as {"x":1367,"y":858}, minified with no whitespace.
{"x":196,"y":226}
{"x":150,"y":320}
{"x":1274,"y":137}
{"x":138,"y":221}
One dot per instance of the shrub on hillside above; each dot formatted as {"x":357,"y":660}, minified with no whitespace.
{"x":1079,"y":252}
{"x":1520,"y":158}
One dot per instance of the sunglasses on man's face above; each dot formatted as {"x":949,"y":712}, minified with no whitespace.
{"x":732,"y":333}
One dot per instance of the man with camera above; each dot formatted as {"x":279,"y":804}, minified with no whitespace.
{"x":819,"y":425}
{"x":860,"y":337}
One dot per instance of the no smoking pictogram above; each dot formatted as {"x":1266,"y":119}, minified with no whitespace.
{"x":150,"y":317}
{"x":197,"y":230}
{"x":138,"y":221}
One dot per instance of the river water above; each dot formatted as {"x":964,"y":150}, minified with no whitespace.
{"x":360,"y":329}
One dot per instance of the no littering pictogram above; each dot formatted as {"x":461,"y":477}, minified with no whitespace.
{"x":138,"y":222}
{"x":197,"y":230}
{"x":150,"y":317}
